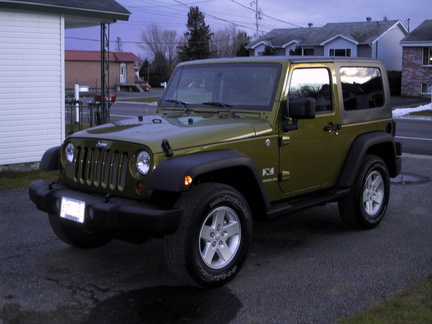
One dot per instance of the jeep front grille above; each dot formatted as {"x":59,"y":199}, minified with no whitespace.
{"x":101,"y":168}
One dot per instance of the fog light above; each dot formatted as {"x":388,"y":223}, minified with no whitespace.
{"x":187,"y":180}
{"x":140,"y":188}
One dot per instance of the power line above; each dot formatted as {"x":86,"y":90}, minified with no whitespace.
{"x":214,"y":17}
{"x":263,"y":14}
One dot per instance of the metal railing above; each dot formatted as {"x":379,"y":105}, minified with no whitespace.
{"x":78,"y":118}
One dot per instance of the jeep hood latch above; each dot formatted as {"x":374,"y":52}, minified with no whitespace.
{"x":166,"y":147}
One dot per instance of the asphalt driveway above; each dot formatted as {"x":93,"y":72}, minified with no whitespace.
{"x":307,"y":268}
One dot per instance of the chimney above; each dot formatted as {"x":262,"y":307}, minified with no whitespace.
{"x":368,"y":19}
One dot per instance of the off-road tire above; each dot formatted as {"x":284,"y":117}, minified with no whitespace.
{"x":213,"y":238}
{"x":365,"y":206}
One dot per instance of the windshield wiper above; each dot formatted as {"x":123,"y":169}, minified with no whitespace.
{"x":181,"y":103}
{"x":220,"y":104}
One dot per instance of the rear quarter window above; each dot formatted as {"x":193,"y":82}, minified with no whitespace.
{"x":362,"y":88}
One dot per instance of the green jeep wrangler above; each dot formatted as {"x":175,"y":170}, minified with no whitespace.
{"x":232,"y":141}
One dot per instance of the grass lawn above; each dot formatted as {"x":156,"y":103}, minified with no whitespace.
{"x":426,"y":113}
{"x":413,"y":306}
{"x":16,"y":180}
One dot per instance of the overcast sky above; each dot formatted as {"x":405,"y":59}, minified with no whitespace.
{"x":172,"y":14}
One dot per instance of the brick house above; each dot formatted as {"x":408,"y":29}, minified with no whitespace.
{"x":84,"y":68}
{"x":417,"y":61}
{"x":370,"y":39}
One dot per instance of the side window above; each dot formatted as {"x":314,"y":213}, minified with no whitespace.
{"x":314,"y":83}
{"x":362,"y":87}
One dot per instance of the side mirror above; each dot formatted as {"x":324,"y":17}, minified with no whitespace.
{"x":302,"y":108}
{"x":299,"y":108}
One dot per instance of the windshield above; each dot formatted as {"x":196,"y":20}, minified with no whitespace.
{"x":249,"y":86}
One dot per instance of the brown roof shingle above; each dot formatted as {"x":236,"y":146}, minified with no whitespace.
{"x":72,"y":55}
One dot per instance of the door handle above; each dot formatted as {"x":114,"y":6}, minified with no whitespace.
{"x":332,"y":127}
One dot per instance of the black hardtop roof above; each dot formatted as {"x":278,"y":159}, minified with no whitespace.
{"x":280,"y":59}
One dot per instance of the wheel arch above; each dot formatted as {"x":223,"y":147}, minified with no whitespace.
{"x":50,"y":159}
{"x":221,"y":166}
{"x":380,"y":144}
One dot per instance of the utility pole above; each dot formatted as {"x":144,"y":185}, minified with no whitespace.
{"x":257,"y":16}
{"x":104,"y":73}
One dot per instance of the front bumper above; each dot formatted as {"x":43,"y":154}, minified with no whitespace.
{"x":113,"y":213}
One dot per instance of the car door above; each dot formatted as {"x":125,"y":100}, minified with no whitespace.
{"x":309,"y":157}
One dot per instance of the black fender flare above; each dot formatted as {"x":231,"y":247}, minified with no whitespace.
{"x":169,"y":174}
{"x":360,"y":147}
{"x":50,"y":159}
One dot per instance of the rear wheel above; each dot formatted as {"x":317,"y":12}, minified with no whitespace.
{"x":366,"y":205}
{"x":76,"y":234}
{"x":213,"y":238}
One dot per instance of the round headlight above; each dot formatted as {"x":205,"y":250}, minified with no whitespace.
{"x":69,"y":152}
{"x":143,"y":162}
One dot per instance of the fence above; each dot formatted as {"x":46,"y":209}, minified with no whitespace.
{"x":79,"y":117}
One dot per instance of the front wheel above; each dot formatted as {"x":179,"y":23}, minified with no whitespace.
{"x":213,"y":238}
{"x":365,"y":206}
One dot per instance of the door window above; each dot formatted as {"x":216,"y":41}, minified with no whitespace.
{"x":313,"y":83}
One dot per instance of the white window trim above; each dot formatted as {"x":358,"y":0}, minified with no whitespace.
{"x":344,"y":49}
{"x":430,"y":55}
{"x":428,"y":86}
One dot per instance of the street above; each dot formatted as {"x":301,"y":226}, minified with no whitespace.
{"x":306,"y":268}
{"x":415,"y":134}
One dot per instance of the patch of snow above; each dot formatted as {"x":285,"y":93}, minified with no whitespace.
{"x":400,"y":112}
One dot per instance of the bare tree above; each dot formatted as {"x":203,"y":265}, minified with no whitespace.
{"x":228,"y":42}
{"x":158,"y":41}
{"x":118,"y":45}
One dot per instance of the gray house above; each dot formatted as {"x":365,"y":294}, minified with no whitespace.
{"x":32,"y":65}
{"x":417,"y":61}
{"x":371,"y":39}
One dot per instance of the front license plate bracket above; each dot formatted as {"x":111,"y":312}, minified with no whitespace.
{"x":72,"y":209}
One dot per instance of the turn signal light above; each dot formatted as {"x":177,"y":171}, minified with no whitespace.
{"x":187,"y":180}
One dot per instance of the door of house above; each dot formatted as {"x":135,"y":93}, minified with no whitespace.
{"x":123,"y":75}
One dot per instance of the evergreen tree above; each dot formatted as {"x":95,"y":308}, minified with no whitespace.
{"x":242,"y":39}
{"x":197,"y":38}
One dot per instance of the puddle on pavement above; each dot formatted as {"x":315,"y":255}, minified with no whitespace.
{"x":167,"y":305}
{"x":409,"y":178}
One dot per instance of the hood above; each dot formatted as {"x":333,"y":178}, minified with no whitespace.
{"x":181,"y":131}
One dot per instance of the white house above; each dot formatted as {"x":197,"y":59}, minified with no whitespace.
{"x":32,"y":65}
{"x":371,"y":39}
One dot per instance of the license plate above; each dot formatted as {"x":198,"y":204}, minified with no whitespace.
{"x":72,"y":209}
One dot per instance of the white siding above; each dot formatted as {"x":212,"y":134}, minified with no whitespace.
{"x":31,"y":85}
{"x":340,"y":43}
{"x":259,"y":49}
{"x":389,"y":49}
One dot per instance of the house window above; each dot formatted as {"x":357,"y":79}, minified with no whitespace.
{"x":341,"y":52}
{"x":302,"y":51}
{"x":308,"y":52}
{"x":427,"y":56}
{"x":426,"y":88}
